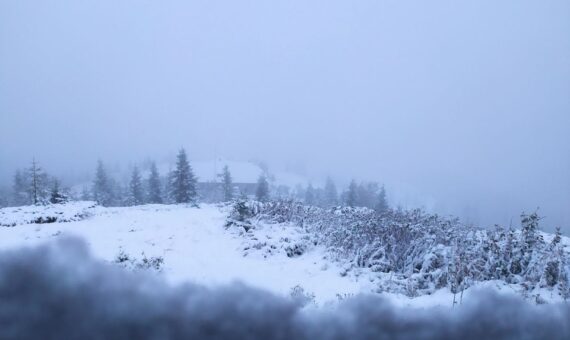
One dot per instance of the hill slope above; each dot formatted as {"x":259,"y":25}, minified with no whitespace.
{"x":196,"y":245}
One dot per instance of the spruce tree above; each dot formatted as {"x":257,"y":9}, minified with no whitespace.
{"x":37,"y":184}
{"x":183,"y":181}
{"x":57,"y":196}
{"x":20,"y":193}
{"x":4,"y":197}
{"x":352,"y":194}
{"x":331,"y":194}
{"x":367,"y":194}
{"x":262,"y":191}
{"x":553,"y":268}
{"x":227,"y":184}
{"x":102,"y":187}
{"x":154,"y":190}
{"x":136,"y":192}
{"x":530,"y":237}
{"x":310,"y":195}
{"x":381,"y":202}
{"x":86,"y":195}
{"x":564,"y":284}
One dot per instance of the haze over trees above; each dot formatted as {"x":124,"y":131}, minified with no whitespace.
{"x":34,"y":186}
{"x":180,"y":185}
{"x":103,"y":191}
{"x":350,"y":196}
{"x":426,"y":252}
{"x":262,"y":191}
{"x":330,"y":194}
{"x":227,"y":184}
{"x":154,"y":186}
{"x":57,"y":195}
{"x":136,"y":190}
{"x":20,"y":194}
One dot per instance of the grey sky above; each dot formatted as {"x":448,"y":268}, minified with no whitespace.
{"x":465,"y":102}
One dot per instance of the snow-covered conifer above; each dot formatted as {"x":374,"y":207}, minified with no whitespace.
{"x":154,"y":186}
{"x":136,"y":191}
{"x":262,"y":191}
{"x":20,"y":192}
{"x":227,"y":184}
{"x":310,"y":198}
{"x":38,"y":184}
{"x":102,"y":191}
{"x":57,"y":195}
{"x":351,"y":196}
{"x":183,"y":183}
{"x":381,"y":201}
{"x":330,"y":194}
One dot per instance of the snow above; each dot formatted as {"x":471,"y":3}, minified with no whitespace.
{"x":197,"y":246}
{"x":73,"y":211}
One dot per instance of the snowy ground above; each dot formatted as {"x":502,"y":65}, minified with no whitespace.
{"x":196,"y":246}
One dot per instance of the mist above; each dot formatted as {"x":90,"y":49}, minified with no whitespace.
{"x":461,"y":108}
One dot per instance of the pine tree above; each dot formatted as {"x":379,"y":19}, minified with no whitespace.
{"x":455,"y":272}
{"x":351,"y":196}
{"x":154,"y":190}
{"x":102,"y":187}
{"x":37,"y":184}
{"x":57,"y":196}
{"x":122,"y":194}
{"x":86,"y":194}
{"x":556,"y":239}
{"x":553,"y":268}
{"x":514,"y":252}
{"x":529,"y":230}
{"x":136,"y":192}
{"x":310,"y":198}
{"x":366,"y":195}
{"x":530,"y":238}
{"x":262,"y":191}
{"x":381,"y":202}
{"x":4,"y":197}
{"x":331,"y":194}
{"x":564,"y":285}
{"x":183,"y":181}
{"x":20,"y":193}
{"x":227,"y":184}
{"x":299,"y":192}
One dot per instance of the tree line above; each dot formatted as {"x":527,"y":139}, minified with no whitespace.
{"x":33,"y":186}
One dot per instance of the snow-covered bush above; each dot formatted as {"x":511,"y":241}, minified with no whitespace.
{"x":424,"y":251}
{"x":145,"y":263}
{"x":51,"y":213}
{"x":302,"y":297}
{"x":241,"y":214}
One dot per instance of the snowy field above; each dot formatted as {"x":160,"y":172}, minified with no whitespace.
{"x":196,"y":246}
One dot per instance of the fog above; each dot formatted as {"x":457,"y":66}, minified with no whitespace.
{"x":102,"y":302}
{"x":460,"y":107}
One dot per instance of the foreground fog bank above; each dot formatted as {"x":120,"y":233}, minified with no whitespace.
{"x":58,"y":290}
{"x":458,"y":106}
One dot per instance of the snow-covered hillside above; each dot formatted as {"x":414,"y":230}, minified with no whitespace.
{"x":60,"y":213}
{"x":197,"y":245}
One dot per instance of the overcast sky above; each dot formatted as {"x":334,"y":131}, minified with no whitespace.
{"x":466,"y":103}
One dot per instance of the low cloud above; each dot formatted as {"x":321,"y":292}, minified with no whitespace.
{"x":58,"y":291}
